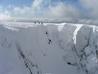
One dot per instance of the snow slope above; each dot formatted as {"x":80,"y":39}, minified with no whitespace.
{"x":48,"y":48}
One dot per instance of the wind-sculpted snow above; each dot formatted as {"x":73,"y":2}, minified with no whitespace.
{"x":48,"y":48}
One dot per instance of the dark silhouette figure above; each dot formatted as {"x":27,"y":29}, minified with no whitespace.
{"x":46,"y":33}
{"x":49,"y":41}
{"x":69,"y":63}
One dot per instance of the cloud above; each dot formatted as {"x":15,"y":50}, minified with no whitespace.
{"x":19,"y":12}
{"x":90,"y":12}
{"x":26,"y":11}
{"x":68,"y":12}
{"x":92,"y":7}
{"x":62,"y":11}
{"x":37,"y":3}
{"x":4,"y":14}
{"x":38,"y":9}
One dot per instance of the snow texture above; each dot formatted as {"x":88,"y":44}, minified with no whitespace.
{"x":48,"y":48}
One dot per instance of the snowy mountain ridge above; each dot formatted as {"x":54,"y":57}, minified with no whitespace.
{"x":48,"y":48}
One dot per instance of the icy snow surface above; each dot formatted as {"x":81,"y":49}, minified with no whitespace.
{"x":48,"y":48}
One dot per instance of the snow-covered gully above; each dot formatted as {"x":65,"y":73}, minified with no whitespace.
{"x":48,"y":48}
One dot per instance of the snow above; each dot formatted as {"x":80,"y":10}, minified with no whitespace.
{"x":75,"y":33}
{"x":48,"y":48}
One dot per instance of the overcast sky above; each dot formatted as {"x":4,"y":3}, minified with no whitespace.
{"x":71,"y":10}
